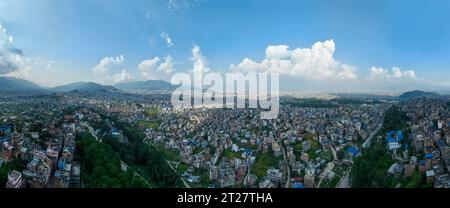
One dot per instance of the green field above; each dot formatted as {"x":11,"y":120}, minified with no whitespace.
{"x":149,"y":124}
{"x":168,"y":154}
{"x":151,"y":112}
{"x":326,"y":155}
{"x":312,"y":154}
{"x":230,"y":154}
{"x":314,"y":144}
{"x":263,"y":162}
{"x":331,"y":183}
{"x":298,"y":147}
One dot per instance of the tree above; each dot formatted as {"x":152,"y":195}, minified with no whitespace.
{"x":101,"y":165}
{"x":370,"y":169}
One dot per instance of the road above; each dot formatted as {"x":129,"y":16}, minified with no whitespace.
{"x":368,"y":141}
{"x":174,"y":169}
{"x":333,"y":152}
{"x":93,"y":134}
{"x":136,"y":173}
{"x":325,"y":173}
{"x":288,"y":180}
{"x":396,"y":157}
{"x":91,"y":131}
{"x":345,"y":180}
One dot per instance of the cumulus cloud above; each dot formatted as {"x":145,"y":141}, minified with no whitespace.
{"x":166,"y":66}
{"x":167,"y":39}
{"x":381,"y":74}
{"x":148,"y":68}
{"x":156,"y":68}
{"x":278,"y":52}
{"x":315,"y":63}
{"x":110,"y":70}
{"x":12,"y":60}
{"x":123,"y":76}
{"x":200,"y":62}
{"x":107,"y":63}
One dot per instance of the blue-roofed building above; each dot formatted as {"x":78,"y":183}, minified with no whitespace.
{"x":399,"y":135}
{"x":248,"y":151}
{"x":61,"y":164}
{"x":298,"y":185}
{"x":440,"y":143}
{"x":4,"y":139}
{"x":393,"y":139}
{"x":115,"y":132}
{"x":363,"y":126}
{"x":353,"y":151}
{"x":429,"y":156}
{"x":6,"y":129}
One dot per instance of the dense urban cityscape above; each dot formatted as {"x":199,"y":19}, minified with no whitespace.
{"x":102,"y":139}
{"x":223,"y":100}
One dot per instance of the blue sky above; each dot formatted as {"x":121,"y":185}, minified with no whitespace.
{"x":66,"y":40}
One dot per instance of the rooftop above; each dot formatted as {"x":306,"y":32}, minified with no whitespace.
{"x":394,"y":136}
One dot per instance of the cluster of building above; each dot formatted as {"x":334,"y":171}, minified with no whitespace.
{"x":43,"y":147}
{"x":304,"y":147}
{"x":228,"y":142}
{"x":427,"y":150}
{"x":430,"y":133}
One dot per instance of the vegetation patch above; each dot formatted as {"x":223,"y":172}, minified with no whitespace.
{"x":263,"y":162}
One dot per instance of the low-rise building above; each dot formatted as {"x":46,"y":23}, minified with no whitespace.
{"x":15,"y":180}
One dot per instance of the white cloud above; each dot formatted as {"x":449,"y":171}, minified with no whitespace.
{"x":381,"y":74}
{"x":110,"y":70}
{"x":180,"y":5}
{"x":200,"y":62}
{"x":148,"y":68}
{"x":167,"y":65}
{"x":12,"y":60}
{"x":107,"y":63}
{"x":167,"y":39}
{"x":123,"y":76}
{"x":277,"y":52}
{"x":4,"y":37}
{"x":315,"y":63}
{"x":347,"y":73}
{"x":155,"y":68}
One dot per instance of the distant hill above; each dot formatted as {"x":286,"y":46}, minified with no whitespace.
{"x":16,"y":85}
{"x":366,"y":96}
{"x":418,"y":94}
{"x":84,"y":87}
{"x":149,"y":85}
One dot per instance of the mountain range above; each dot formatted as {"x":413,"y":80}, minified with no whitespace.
{"x":17,"y":85}
{"x":84,"y":87}
{"x":418,"y":94}
{"x":149,"y":85}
